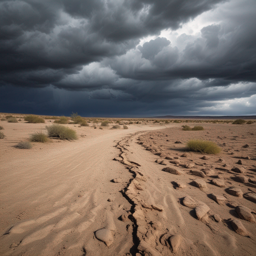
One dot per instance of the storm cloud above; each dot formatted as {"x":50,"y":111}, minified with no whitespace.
{"x":127,"y":57}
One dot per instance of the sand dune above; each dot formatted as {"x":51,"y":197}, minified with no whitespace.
{"x":105,"y":194}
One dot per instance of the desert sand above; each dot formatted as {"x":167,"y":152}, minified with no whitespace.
{"x":128,"y":192}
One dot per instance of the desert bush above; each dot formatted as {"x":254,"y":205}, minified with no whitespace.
{"x":24,"y":145}
{"x":3,"y":119}
{"x":125,"y":127}
{"x":115,"y":126}
{"x":12,"y":120}
{"x":84,"y":123}
{"x":186,"y":128}
{"x":62,"y":132}
{"x":249,"y":122}
{"x":202,"y":146}
{"x":198,"y":128}
{"x":1,"y":135}
{"x":176,"y":121}
{"x":76,"y":118}
{"x":104,"y":123}
{"x":239,"y":121}
{"x":1,"y":127}
{"x":34,"y":119}
{"x":9,"y":116}
{"x":130,"y":122}
{"x":39,"y":137}
{"x":62,"y":120}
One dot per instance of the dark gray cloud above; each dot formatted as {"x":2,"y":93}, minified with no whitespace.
{"x":80,"y":53}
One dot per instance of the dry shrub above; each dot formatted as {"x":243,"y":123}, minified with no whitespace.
{"x":1,"y":127}
{"x":125,"y":127}
{"x":62,"y":120}
{"x":62,"y":132}
{"x":186,"y":128}
{"x":249,"y":122}
{"x":84,"y":123}
{"x":198,"y":128}
{"x":115,"y":126}
{"x":34,"y":119}
{"x":207,"y":147}
{"x":1,"y":135}
{"x":24,"y":145}
{"x":39,"y":137}
{"x":239,"y":121}
{"x":104,"y":123}
{"x":12,"y":120}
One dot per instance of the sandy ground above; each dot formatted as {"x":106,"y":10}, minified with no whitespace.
{"x":58,"y":198}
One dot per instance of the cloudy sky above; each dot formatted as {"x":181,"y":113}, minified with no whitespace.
{"x":128,"y":57}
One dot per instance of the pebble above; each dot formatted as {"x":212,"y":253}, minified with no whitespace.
{"x":175,"y":242}
{"x":105,"y":235}
{"x":197,"y":173}
{"x":250,"y":196}
{"x":219,"y":199}
{"x":235,"y":191}
{"x":238,"y":169}
{"x":208,"y":171}
{"x":241,"y":178}
{"x":189,"y":202}
{"x":245,"y":213}
{"x":200,"y":183}
{"x":239,"y":227}
{"x":201,"y":210}
{"x":176,"y":171}
{"x":219,"y":182}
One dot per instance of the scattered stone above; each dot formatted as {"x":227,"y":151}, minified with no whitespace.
{"x":124,"y":217}
{"x":217,"y":217}
{"x":250,"y":196}
{"x":245,"y":213}
{"x":169,"y":158}
{"x":209,"y":172}
{"x":232,"y":204}
{"x":241,"y":178}
{"x":205,"y":158}
{"x":238,"y":169}
{"x":176,"y":161}
{"x":110,"y":200}
{"x":184,"y":155}
{"x":116,"y":180}
{"x":246,"y":146}
{"x":157,"y":208}
{"x":219,"y":182}
{"x":200,"y":183}
{"x":175,"y":242}
{"x":235,"y":191}
{"x":177,"y":142}
{"x":252,"y":180}
{"x":180,"y":184}
{"x":197,"y":173}
{"x":247,"y":157}
{"x":105,"y":235}
{"x":201,"y":210}
{"x":220,"y":160}
{"x":219,"y":199}
{"x":239,"y":228}
{"x":171,"y":170}
{"x":239,"y":161}
{"x":189,"y":165}
{"x":189,"y":202}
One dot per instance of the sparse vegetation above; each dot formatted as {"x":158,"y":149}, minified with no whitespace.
{"x":84,"y":123}
{"x":104,"y":123}
{"x":239,"y":121}
{"x":1,"y":135}
{"x":39,"y":137}
{"x":207,"y":147}
{"x":3,"y":119}
{"x":186,"y":128}
{"x":197,"y":128}
{"x":62,"y":120}
{"x":34,"y":119}
{"x":12,"y":120}
{"x":116,"y":126}
{"x":24,"y":145}
{"x":249,"y":122}
{"x":62,"y":132}
{"x":125,"y":127}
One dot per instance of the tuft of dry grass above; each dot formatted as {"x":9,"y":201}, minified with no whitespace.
{"x":104,"y":123}
{"x":24,"y":145}
{"x":239,"y":121}
{"x":115,"y":126}
{"x":39,"y":137}
{"x":61,"y":132}
{"x":249,"y":122}
{"x":62,"y":120}
{"x":197,"y":128}
{"x":12,"y":120}
{"x":2,"y":135}
{"x":125,"y":127}
{"x":34,"y":119}
{"x":207,"y":147}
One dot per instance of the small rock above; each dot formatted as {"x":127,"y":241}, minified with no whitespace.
{"x":189,"y":202}
{"x":232,"y":204}
{"x":245,"y":213}
{"x":171,"y":170}
{"x":175,"y":242}
{"x":220,"y":160}
{"x":250,"y":196}
{"x":116,"y":180}
{"x":197,"y":173}
{"x":246,"y":146}
{"x":205,"y":158}
{"x":176,"y":161}
{"x":124,"y":217}
{"x":239,"y":228}
{"x":201,"y":210}
{"x":189,"y":165}
{"x":200,"y":183}
{"x":180,"y":184}
{"x":241,"y":178}
{"x":157,"y":208}
{"x":238,"y":169}
{"x":219,"y":199}
{"x":105,"y":235}
{"x":110,"y":200}
{"x":239,"y":161}
{"x":217,"y":217}
{"x":177,"y":142}
{"x":252,"y":180}
{"x":168,"y":158}
{"x":235,"y":191}
{"x":184,"y":155}
{"x":208,"y":172}
{"x":219,"y":182}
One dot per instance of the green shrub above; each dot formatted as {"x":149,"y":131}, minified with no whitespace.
{"x":115,"y":126}
{"x":39,"y":137}
{"x":62,"y":132}
{"x":186,"y":128}
{"x":1,"y":127}
{"x":1,"y":135}
{"x":201,"y":146}
{"x":198,"y":128}
{"x":239,"y":121}
{"x":24,"y":145}
{"x":249,"y":122}
{"x":104,"y":123}
{"x":12,"y":120}
{"x":62,"y":120}
{"x":125,"y":127}
{"x":34,"y":119}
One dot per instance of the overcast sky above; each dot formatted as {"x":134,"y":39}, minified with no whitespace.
{"x":128,"y":57}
